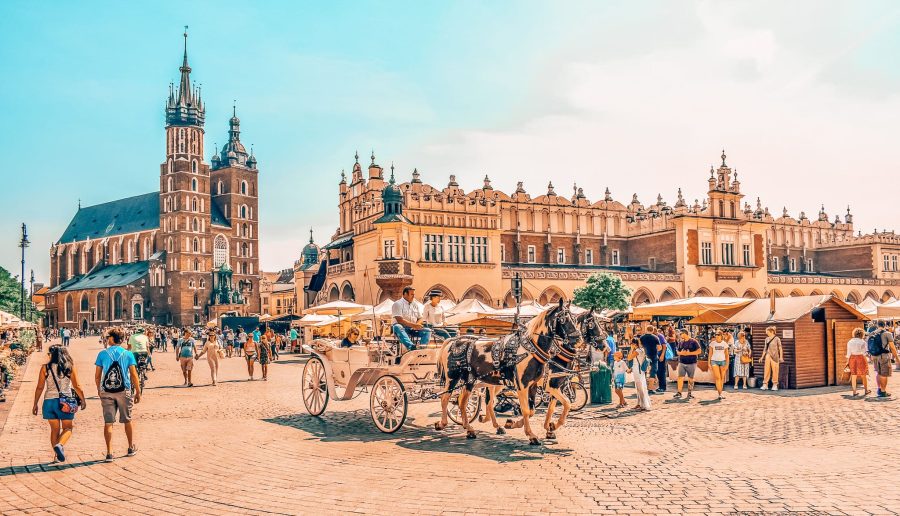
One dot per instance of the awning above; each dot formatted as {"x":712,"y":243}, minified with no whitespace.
{"x":690,"y":307}
{"x":340,"y":242}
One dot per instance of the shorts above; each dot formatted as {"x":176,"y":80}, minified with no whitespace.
{"x":858,"y":365}
{"x":230,"y":344}
{"x":687,"y":370}
{"x":620,"y":381}
{"x":50,"y":409}
{"x":112,"y":402}
{"x":239,"y":345}
{"x":718,"y":363}
{"x":882,"y":364}
{"x":187,"y":363}
{"x":250,"y":356}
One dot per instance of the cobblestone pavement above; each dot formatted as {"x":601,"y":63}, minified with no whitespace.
{"x":249,"y":448}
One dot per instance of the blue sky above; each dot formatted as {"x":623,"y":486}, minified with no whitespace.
{"x":637,"y":96}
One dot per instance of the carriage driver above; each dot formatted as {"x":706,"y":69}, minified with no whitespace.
{"x":408,"y":320}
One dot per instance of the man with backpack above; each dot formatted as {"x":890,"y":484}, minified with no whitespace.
{"x":118,"y":388}
{"x":880,"y":346}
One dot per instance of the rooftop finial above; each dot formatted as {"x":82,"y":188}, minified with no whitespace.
{"x":373,"y":156}
{"x":79,"y":203}
{"x":356,"y":156}
{"x":234,"y":107}
{"x":310,"y":236}
{"x":185,"y":45}
{"x":392,"y":173}
{"x":607,"y":195}
{"x":550,"y":188}
{"x":723,"y":157}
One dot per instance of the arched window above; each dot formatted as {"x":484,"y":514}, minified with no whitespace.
{"x":84,"y":303}
{"x":243,"y":267}
{"x":169,"y":185}
{"x":244,"y":230}
{"x":196,"y":299}
{"x":146,"y":249}
{"x":194,"y":204}
{"x":181,"y":140}
{"x":196,"y":246}
{"x":169,"y":166}
{"x":70,"y":308}
{"x":170,"y":247}
{"x":220,"y":251}
{"x":196,"y":264}
{"x":195,"y":225}
{"x":243,"y":188}
{"x":101,"y":307}
{"x":202,"y":283}
{"x":194,"y":182}
{"x":243,"y":211}
{"x":221,"y":188}
{"x":130,"y":251}
{"x":244,"y":249}
{"x":117,"y":306}
{"x":194,"y":167}
{"x":137,"y":311}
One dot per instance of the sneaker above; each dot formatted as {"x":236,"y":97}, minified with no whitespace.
{"x":690,"y":396}
{"x":775,"y":388}
{"x":677,"y":396}
{"x":131,"y":451}
{"x":109,"y":457}
{"x":735,"y":387}
{"x":60,"y":454}
{"x":745,"y":386}
{"x":764,"y":388}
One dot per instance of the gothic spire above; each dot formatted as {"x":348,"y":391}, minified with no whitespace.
{"x":185,"y":107}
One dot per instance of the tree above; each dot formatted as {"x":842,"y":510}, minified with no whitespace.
{"x":10,"y":294}
{"x":603,"y":291}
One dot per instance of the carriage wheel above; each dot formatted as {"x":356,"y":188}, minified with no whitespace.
{"x":314,"y":386}
{"x":577,"y":395}
{"x":473,"y":407}
{"x":388,"y":404}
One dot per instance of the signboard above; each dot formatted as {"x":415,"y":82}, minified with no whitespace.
{"x":787,"y":334}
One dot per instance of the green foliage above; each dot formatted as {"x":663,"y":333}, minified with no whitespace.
{"x":603,"y":291}
{"x":10,"y":292}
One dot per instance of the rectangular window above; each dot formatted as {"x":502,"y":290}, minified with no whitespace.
{"x":747,"y":258}
{"x":434,"y":248}
{"x":793,"y":265}
{"x":615,"y":257}
{"x":560,"y":255}
{"x":531,"y":254}
{"x":775,"y":266}
{"x":389,"y":248}
{"x":894,"y":262}
{"x":589,"y":257}
{"x":887,"y":262}
{"x":456,"y":248}
{"x":502,"y":253}
{"x":727,"y":253}
{"x":706,"y":253}
{"x":651,"y":264}
{"x":478,"y":249}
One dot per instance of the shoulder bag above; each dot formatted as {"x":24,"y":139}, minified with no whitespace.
{"x":68,"y":403}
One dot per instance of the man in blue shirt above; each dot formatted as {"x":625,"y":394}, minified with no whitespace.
{"x":118,"y":394}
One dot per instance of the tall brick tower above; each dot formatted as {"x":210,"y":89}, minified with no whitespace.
{"x":185,"y":204}
{"x":235,"y":179}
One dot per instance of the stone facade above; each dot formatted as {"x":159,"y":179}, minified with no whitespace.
{"x":174,"y":242}
{"x":469,"y":244}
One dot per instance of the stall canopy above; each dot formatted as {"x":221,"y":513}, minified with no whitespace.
{"x":786,"y":309}
{"x":469,"y":310}
{"x":527,"y":309}
{"x":887,"y":311}
{"x":332,"y":308}
{"x":693,"y":307}
{"x":380,"y":311}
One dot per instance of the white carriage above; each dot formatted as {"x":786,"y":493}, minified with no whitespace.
{"x":340,"y":374}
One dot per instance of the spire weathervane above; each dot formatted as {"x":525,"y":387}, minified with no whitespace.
{"x":723,"y":157}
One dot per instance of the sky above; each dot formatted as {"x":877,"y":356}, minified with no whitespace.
{"x":637,"y":96}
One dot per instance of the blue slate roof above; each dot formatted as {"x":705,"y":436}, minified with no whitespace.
{"x":104,"y":277}
{"x":129,"y":215}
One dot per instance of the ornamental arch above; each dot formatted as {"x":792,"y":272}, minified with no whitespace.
{"x":347,"y":293}
{"x":551,"y":295}
{"x":445,"y":292}
{"x":669,"y":295}
{"x":642,"y":297}
{"x":478,"y":292}
{"x":751,"y":294}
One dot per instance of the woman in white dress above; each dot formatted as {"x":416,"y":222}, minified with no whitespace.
{"x":211,"y":350}
{"x":639,"y":367}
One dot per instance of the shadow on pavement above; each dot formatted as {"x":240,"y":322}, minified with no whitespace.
{"x":45,"y":467}
{"x":356,"y":426}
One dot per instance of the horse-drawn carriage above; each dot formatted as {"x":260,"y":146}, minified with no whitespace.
{"x":340,"y":374}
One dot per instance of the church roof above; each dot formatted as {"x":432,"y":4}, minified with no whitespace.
{"x":105,"y":277}
{"x":129,"y":215}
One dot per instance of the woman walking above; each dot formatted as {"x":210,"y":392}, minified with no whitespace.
{"x":251,"y":352}
{"x":773,"y":355}
{"x":59,"y":400}
{"x":640,"y":366}
{"x":265,"y":355}
{"x":211,"y":350}
{"x":718,"y":361}
{"x":857,"y":362}
{"x":742,"y":356}
{"x":187,"y":349}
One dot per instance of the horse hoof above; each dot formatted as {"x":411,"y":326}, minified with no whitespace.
{"x":470,"y":434}
{"x":534,"y":441}
{"x":439,"y":427}
{"x":552,"y":427}
{"x":482,"y":418}
{"x":508,"y":425}
{"x":551,"y":435}
{"x":501,"y":431}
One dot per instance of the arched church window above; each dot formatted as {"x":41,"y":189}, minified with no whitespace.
{"x":196,"y":246}
{"x":181,"y":140}
{"x":221,"y":188}
{"x":194,"y":204}
{"x":243,"y":188}
{"x":195,"y":225}
{"x":194,"y":181}
{"x":220,"y":251}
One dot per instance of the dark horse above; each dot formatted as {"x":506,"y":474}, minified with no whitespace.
{"x":592,"y":331}
{"x":466,"y":360}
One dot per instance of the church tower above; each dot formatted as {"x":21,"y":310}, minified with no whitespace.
{"x":185,"y":207}
{"x":234,"y":179}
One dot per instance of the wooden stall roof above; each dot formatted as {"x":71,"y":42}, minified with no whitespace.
{"x":786,"y":309}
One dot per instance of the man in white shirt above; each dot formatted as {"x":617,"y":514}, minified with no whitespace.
{"x":433,"y":313}
{"x":408,"y":320}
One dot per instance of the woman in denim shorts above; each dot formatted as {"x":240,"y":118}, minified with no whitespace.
{"x":56,"y":378}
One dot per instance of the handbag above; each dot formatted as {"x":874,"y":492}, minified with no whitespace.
{"x":670,"y":354}
{"x":68,"y":404}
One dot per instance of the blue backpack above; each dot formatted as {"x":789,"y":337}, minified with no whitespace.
{"x":875,"y":343}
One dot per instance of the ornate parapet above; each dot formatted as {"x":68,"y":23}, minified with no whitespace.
{"x":800,"y":279}
{"x":582,"y":275}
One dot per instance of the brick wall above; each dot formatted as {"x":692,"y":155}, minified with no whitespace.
{"x":660,"y":246}
{"x":849,"y":261}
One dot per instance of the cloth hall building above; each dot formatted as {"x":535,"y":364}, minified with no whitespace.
{"x":468,"y":244}
{"x":181,"y":255}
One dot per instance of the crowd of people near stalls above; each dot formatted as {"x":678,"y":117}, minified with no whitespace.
{"x":645,"y":354}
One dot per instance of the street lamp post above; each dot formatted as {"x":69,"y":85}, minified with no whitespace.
{"x":31,"y":297}
{"x":23,"y":243}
